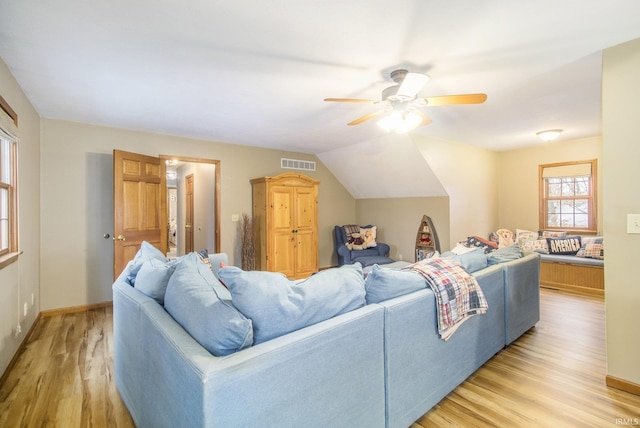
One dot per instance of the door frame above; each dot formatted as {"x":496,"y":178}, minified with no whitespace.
{"x":216,"y":200}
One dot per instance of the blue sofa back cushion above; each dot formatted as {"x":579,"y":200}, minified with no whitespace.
{"x":153,"y":278}
{"x":278,"y":306}
{"x":146,"y":252}
{"x":202,"y":306}
{"x":216,"y":259}
{"x":472,"y":261}
{"x":505,"y":254}
{"x":383,"y":284}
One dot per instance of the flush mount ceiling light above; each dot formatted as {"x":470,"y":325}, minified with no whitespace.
{"x":549,"y":134}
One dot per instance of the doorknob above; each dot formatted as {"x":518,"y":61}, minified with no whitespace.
{"x":121,"y":238}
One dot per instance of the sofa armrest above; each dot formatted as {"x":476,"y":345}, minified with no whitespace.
{"x":344,"y":255}
{"x":383,"y":249}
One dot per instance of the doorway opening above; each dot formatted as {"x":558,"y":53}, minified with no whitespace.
{"x":193,"y":205}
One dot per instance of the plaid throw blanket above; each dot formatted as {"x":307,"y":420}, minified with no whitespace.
{"x":458,"y":295}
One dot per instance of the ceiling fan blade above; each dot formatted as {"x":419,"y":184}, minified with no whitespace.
{"x":411,"y":85}
{"x":365,"y":118}
{"x":456,"y":99}
{"x":350,"y":100}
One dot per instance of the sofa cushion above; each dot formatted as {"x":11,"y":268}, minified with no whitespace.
{"x":153,"y":278}
{"x":383,"y":283}
{"x":368,"y":260}
{"x":202,"y":306}
{"x":592,"y":248}
{"x":146,"y":252}
{"x":566,"y":246}
{"x":278,"y":306}
{"x":505,"y":254}
{"x":473,"y":260}
{"x":217,"y":260}
{"x":574,"y":260}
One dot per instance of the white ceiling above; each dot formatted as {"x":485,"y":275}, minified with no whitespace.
{"x":256,"y":72}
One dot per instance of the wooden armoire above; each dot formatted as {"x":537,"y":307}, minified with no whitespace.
{"x":285,"y":218}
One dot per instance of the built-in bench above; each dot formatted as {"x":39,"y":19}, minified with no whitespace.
{"x":572,"y":273}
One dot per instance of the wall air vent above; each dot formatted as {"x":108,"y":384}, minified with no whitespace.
{"x":297,"y":164}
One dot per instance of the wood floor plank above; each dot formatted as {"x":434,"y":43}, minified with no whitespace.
{"x":553,"y":376}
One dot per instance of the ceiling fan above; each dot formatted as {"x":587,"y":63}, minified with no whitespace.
{"x":401,"y":105}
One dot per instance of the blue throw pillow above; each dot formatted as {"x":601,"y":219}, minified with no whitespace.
{"x":153,"y":278}
{"x":278,"y":306}
{"x":146,"y":252}
{"x":505,"y":254}
{"x":473,"y":260}
{"x":383,"y":284}
{"x":216,"y":259}
{"x":196,"y":300}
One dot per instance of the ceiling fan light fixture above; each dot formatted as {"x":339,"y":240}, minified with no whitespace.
{"x":549,"y":134}
{"x":400,"y":122}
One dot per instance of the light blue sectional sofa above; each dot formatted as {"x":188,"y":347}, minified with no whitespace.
{"x":381,"y":365}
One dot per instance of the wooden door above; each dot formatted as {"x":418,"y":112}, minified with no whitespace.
{"x":281,"y":255}
{"x":305,"y":240}
{"x":139,"y":201}
{"x":188,"y":226}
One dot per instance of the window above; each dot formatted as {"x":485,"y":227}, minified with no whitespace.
{"x":8,"y":184}
{"x":568,"y":196}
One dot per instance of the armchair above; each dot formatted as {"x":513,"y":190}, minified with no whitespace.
{"x":367,"y":256}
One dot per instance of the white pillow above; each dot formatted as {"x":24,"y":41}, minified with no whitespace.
{"x":462,"y":249}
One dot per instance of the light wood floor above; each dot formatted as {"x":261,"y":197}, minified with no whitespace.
{"x":551,"y":377}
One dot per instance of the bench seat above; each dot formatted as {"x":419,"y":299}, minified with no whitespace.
{"x":572,"y":273}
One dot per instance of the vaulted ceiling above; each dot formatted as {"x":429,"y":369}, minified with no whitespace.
{"x":256,"y":72}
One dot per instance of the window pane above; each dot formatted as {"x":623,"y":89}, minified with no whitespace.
{"x":582,"y":220}
{"x":566,"y":220}
{"x":582,"y":186}
{"x":582,"y":206}
{"x":566,"y":207}
{"x":554,"y":187}
{"x":568,"y":186}
{"x":5,"y":161}
{"x":4,"y":219}
{"x":553,"y":208}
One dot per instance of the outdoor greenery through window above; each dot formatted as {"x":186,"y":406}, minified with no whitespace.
{"x":568,"y":196}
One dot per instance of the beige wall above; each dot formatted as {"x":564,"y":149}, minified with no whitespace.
{"x":398,"y":219}
{"x":518,"y":184}
{"x":20,"y":280}
{"x":621,"y":191}
{"x":470,"y":176}
{"x":77,"y":206}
